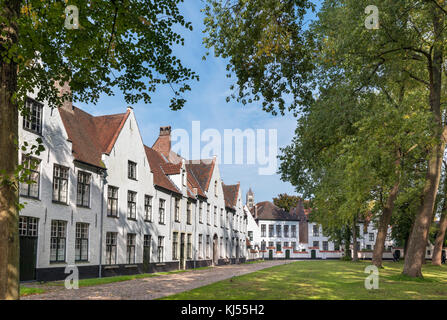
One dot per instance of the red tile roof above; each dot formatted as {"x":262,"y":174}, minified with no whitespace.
{"x":202,"y":171}
{"x":156,"y":162}
{"x":91,"y":136}
{"x":230,"y":194}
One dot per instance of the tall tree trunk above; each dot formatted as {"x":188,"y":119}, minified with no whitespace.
{"x":440,"y":237}
{"x":355,"y":254}
{"x":384,"y":222}
{"x":419,"y":235}
{"x":9,"y":238}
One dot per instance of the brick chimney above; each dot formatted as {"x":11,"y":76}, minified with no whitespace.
{"x":163,"y":143}
{"x":67,"y":104}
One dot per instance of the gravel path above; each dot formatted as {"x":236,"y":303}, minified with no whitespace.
{"x":154,"y":287}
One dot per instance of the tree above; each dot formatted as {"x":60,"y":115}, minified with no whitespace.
{"x":125,"y":44}
{"x":286,"y":202}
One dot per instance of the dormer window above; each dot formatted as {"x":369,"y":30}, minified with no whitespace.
{"x":132,"y":170}
{"x":32,"y":119}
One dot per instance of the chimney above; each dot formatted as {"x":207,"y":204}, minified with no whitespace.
{"x":163,"y":143}
{"x":65,"y":89}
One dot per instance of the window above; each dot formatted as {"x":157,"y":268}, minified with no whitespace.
{"x":188,"y":212}
{"x":81,"y":245}
{"x":221,"y":247}
{"x":215,"y":216}
{"x":286,"y":231}
{"x":28,"y":226}
{"x":250,"y":235}
{"x":316,"y":230}
{"x":175,"y":246}
{"x":262,"y":245}
{"x":132,"y":170}
{"x":294,"y":245}
{"x":83,"y":195}
{"x":208,"y":214}
{"x":161,"y":211}
{"x":215,"y":188}
{"x":131,"y":205}
{"x":111,"y":247}
{"x":160,"y":248}
{"x":368,"y":247}
{"x":271,"y":231}
{"x":286,"y":244}
{"x":222,"y":218}
{"x":271,"y":244}
{"x":293,"y":231}
{"x":130,"y":253}
{"x":336,"y":246}
{"x":147,"y":208}
{"x":207,"y":246}
{"x":33,"y":167}
{"x":325,"y":246}
{"x":357,"y":230}
{"x":263,"y":232}
{"x":278,"y":246}
{"x":200,"y":211}
{"x":371,"y":237}
{"x":278,"y":231}
{"x":112,"y":201}
{"x":60,"y":184}
{"x":227,"y":223}
{"x":189,"y":247}
{"x":58,"y":241}
{"x":200,"y":246}
{"x":147,"y":241}
{"x":32,"y":120}
{"x":177,"y":210}
{"x":316,"y":244}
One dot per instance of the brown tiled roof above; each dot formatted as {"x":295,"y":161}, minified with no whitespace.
{"x":230,"y":194}
{"x":156,"y":162}
{"x":91,"y":136}
{"x":171,"y":168}
{"x":268,"y":211}
{"x":193,"y":183}
{"x":202,"y":171}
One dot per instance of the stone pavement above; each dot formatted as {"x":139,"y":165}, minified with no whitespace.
{"x":153,"y":287}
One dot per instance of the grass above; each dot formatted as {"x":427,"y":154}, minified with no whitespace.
{"x":26,"y":291}
{"x":324,"y":280}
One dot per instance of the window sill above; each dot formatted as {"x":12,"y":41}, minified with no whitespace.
{"x":110,"y":216}
{"x":58,"y":262}
{"x":131,"y":266}
{"x":61,"y":203}
{"x":29,"y":197}
{"x":147,"y":220}
{"x":34,"y":132}
{"x":111,"y":267}
{"x":160,"y":264}
{"x":132,"y":219}
{"x":82,"y":261}
{"x":84,"y":207}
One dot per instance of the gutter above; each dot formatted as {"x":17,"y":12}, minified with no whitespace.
{"x":104,"y":176}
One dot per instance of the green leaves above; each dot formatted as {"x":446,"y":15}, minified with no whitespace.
{"x":267,"y":49}
{"x":125,"y":44}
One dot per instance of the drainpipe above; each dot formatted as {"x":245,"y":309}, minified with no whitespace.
{"x":101,"y":227}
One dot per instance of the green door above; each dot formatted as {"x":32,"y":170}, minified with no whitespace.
{"x":270,"y":254}
{"x":313,"y":254}
{"x":287,"y":254}
{"x":28,"y":255}
{"x":146,"y":258}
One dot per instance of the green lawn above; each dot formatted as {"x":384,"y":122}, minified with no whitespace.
{"x":26,"y":291}
{"x":324,"y":280}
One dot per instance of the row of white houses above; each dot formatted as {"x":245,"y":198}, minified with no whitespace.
{"x":108,"y":204}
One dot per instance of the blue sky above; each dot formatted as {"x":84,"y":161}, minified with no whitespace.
{"x":206,"y":102}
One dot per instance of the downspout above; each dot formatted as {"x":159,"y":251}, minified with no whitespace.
{"x":101,"y":227}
